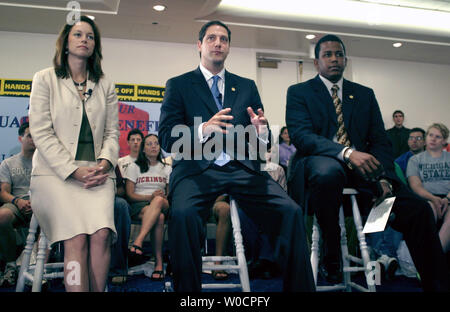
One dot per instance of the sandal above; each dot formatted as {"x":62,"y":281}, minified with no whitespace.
{"x":219,"y":275}
{"x":134,"y":258}
{"x":159,"y":274}
{"x":136,"y":247}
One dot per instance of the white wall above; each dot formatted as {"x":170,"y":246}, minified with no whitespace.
{"x":421,"y":90}
{"x":124,"y":61}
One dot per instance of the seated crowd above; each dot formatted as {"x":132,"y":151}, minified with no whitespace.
{"x":141,"y":196}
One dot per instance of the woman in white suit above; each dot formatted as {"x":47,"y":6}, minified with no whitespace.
{"x":74,"y":123}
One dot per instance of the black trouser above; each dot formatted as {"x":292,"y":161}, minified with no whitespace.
{"x":262,"y":199}
{"x":325,"y":179}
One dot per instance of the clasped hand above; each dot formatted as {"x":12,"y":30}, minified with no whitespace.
{"x":440,"y":206}
{"x":366,"y":165}
{"x":370,"y":169}
{"x":91,"y":176}
{"x":24,"y":205}
{"x":157,"y":193}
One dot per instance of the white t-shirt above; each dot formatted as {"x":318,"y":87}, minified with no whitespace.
{"x":124,"y":163}
{"x":156,"y":178}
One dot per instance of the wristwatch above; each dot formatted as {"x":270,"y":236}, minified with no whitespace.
{"x":346,"y":156}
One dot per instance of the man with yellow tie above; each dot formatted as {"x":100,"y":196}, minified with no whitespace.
{"x":337,"y":129}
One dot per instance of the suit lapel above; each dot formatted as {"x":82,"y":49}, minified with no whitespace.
{"x":348,"y":102}
{"x":68,"y":83}
{"x":90,"y":86}
{"x":324,"y":97}
{"x":231,"y":90}
{"x":201,"y":87}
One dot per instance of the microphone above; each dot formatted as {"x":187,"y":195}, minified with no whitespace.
{"x":88,"y":94}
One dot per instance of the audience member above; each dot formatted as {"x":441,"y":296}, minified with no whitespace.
{"x":15,"y":173}
{"x":118,"y":269}
{"x":146,"y":187}
{"x":398,"y":134}
{"x":74,"y":123}
{"x":134,"y":139}
{"x":429,"y":177}
{"x":416,"y":144}
{"x":385,"y":244}
{"x":222,"y":100}
{"x":285,"y":148}
{"x":275,"y":171}
{"x":350,"y":148}
{"x":221,"y":214}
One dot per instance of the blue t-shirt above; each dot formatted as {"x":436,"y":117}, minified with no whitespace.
{"x":402,"y":160}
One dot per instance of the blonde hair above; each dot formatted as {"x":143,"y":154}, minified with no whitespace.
{"x":441,"y":127}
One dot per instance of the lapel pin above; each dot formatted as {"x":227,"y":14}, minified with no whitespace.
{"x":350,"y":96}
{"x":233,"y":89}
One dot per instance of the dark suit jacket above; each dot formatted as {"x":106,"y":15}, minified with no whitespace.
{"x":399,"y":140}
{"x":312,"y":123}
{"x":189,"y":96}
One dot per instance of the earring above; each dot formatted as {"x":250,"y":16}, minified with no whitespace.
{"x":67,"y":51}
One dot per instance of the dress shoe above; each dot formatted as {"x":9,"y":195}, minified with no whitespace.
{"x":389,"y":266}
{"x":331,"y":272}
{"x":262,"y":269}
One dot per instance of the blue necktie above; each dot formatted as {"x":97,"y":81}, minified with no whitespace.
{"x":223,"y":158}
{"x":215,"y":92}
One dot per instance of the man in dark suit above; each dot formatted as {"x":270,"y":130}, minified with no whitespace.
{"x":201,"y":109}
{"x":398,"y":134}
{"x":356,"y":153}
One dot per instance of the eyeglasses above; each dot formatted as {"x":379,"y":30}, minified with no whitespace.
{"x":417,"y":138}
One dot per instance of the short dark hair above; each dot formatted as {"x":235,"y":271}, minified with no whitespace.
{"x":94,"y":62}
{"x":325,"y":39}
{"x":135,"y":131}
{"x":23,"y":127}
{"x":397,"y":112}
{"x":417,"y":129}
{"x":202,"y":32}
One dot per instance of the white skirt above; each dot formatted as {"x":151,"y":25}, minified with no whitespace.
{"x":65,"y":209}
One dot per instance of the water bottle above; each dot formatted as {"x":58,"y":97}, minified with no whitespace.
{"x":168,"y":287}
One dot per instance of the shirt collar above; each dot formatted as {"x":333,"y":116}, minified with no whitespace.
{"x":330,"y":84}
{"x":208,"y":75}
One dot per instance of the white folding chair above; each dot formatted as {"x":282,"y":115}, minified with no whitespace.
{"x":363,"y":264}
{"x":35,"y":273}
{"x":239,"y":260}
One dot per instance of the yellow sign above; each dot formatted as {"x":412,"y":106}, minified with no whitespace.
{"x":125,"y":92}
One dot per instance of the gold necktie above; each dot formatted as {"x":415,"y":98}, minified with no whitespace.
{"x":341,"y":134}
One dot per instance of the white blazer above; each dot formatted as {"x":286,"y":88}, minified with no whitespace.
{"x":55,"y":117}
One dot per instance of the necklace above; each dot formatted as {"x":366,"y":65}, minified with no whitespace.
{"x":80,"y":85}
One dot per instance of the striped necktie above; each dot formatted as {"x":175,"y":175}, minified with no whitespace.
{"x":342,"y":136}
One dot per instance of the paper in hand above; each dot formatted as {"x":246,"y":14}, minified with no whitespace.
{"x":378,"y":216}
